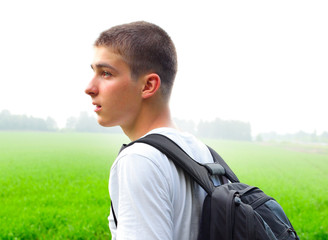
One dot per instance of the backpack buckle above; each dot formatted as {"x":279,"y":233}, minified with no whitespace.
{"x":215,"y":169}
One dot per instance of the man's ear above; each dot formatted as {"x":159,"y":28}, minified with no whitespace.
{"x":152,"y":82}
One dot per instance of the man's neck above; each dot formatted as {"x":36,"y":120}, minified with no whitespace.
{"x":147,"y":121}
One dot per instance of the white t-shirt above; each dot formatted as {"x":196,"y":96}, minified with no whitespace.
{"x":153,"y":199}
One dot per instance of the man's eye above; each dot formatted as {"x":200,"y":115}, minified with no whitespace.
{"x":106,"y":74}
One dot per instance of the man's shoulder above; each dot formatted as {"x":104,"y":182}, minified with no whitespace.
{"x":146,"y":151}
{"x":140,"y":154}
{"x":142,"y":150}
{"x":195,"y":148}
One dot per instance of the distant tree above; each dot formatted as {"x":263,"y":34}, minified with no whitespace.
{"x":22,"y":122}
{"x":71,"y":123}
{"x":324,"y":137}
{"x":300,"y":136}
{"x":259,"y":138}
{"x":88,"y":123}
{"x":186,"y":125}
{"x":234,"y":130}
{"x":51,"y":124}
{"x":5,"y":119}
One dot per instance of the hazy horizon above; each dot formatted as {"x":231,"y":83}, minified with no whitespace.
{"x":62,"y":125}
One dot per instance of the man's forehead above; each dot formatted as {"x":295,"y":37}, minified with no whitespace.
{"x":106,"y":57}
{"x":105,"y":52}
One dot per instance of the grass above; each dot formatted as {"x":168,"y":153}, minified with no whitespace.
{"x":54,"y":185}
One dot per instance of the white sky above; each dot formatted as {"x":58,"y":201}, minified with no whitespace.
{"x":264,"y":62}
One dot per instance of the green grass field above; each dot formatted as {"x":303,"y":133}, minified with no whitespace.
{"x":54,"y":185}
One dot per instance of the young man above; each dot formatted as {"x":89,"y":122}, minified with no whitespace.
{"x":134,"y":69}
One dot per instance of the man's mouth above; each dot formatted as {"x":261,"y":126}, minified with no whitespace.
{"x":97,"y":108}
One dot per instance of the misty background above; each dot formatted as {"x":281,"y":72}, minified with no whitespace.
{"x":253,"y":65}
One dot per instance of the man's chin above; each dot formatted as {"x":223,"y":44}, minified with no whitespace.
{"x":103,"y":123}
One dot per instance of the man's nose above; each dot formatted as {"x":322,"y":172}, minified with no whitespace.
{"x":91,"y":89}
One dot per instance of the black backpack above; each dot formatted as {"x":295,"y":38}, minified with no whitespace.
{"x":233,"y":210}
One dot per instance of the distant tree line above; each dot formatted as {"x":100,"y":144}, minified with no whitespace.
{"x":234,"y":130}
{"x":9,"y":121}
{"x":295,"y":137}
{"x":88,"y":123}
{"x":218,"y":128}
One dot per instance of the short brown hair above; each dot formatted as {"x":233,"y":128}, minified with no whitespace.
{"x":146,"y":48}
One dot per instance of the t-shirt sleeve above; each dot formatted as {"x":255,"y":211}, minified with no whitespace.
{"x":142,"y":197}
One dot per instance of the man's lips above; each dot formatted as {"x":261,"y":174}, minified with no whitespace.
{"x":97,"y":108}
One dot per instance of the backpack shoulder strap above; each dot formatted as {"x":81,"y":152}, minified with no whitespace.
{"x":228,"y":172}
{"x":176,"y":154}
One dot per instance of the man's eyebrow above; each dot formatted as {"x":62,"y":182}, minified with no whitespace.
{"x":102,"y":65}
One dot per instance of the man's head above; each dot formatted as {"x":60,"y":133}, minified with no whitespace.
{"x":146,"y":48}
